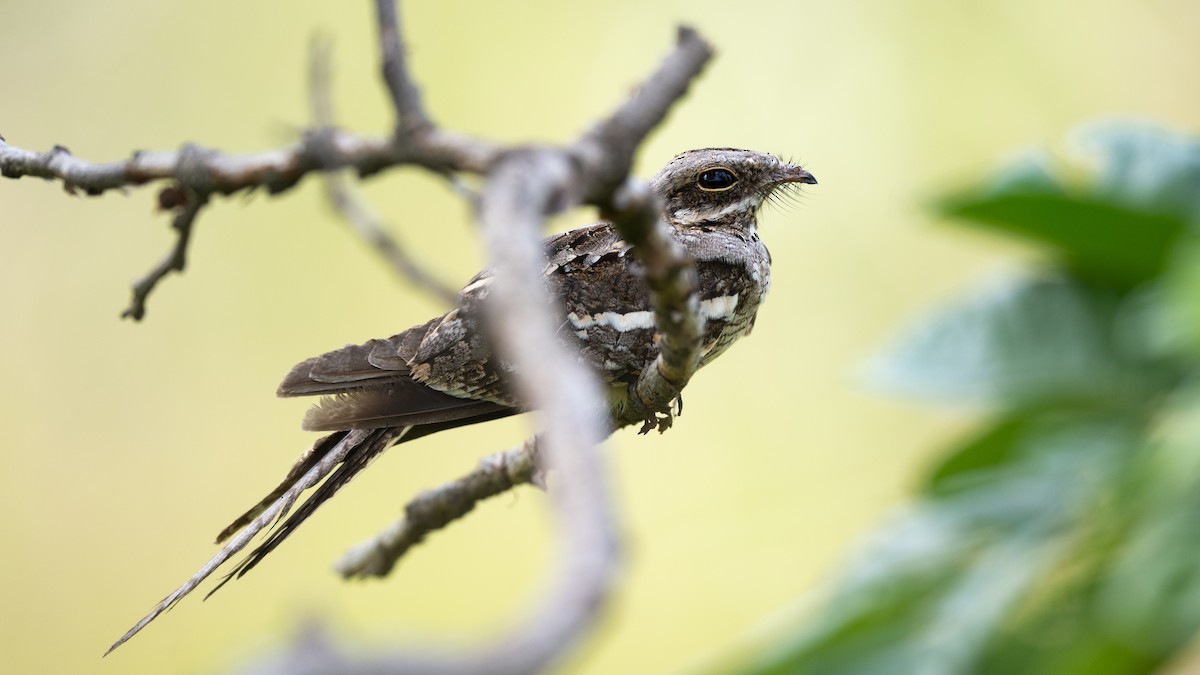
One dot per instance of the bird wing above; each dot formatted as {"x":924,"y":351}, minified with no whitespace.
{"x":371,"y":386}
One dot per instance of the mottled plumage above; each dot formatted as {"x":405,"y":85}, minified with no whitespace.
{"x":444,"y":374}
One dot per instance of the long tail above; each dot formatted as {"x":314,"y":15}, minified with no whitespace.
{"x":352,"y":450}
{"x":322,"y":447}
{"x":338,"y":456}
{"x":355,"y":461}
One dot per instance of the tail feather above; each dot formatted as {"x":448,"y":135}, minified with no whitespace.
{"x":343,"y":444}
{"x":357,"y":459}
{"x":319,"y":449}
{"x":336,"y":459}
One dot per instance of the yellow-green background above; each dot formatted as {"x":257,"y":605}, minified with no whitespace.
{"x":125,"y":447}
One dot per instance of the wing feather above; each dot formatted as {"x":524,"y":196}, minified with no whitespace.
{"x":402,"y":403}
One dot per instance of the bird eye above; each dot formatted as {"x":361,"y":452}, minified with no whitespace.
{"x":716,"y":179}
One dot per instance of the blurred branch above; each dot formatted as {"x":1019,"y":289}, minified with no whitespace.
{"x":366,"y":223}
{"x":606,"y":150}
{"x":350,"y":204}
{"x":201,"y":172}
{"x":437,"y":508}
{"x":406,"y":98}
{"x":176,"y":258}
{"x":204,"y":172}
{"x":275,"y":170}
{"x":522,"y":186}
{"x":673,"y":284}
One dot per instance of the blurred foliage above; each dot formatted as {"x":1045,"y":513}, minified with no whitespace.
{"x":1063,"y":537}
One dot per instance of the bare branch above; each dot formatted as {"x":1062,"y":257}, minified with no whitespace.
{"x":406,"y":98}
{"x":522,"y":188}
{"x":320,"y":81}
{"x":176,"y":258}
{"x":276,"y":170}
{"x":434,"y":509}
{"x":526,"y":186}
{"x":671,"y":276}
{"x":607,"y":149}
{"x":350,"y":204}
{"x":606,"y":152}
{"x":202,"y":172}
{"x":636,"y":213}
{"x":359,"y":214}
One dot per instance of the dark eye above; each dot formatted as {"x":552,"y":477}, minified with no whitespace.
{"x":718,"y":178}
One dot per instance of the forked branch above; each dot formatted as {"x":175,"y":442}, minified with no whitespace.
{"x":521,"y":187}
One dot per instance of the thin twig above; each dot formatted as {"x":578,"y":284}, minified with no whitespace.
{"x":320,"y":81}
{"x":350,"y":204}
{"x":527,"y":186}
{"x":202,"y":171}
{"x":637,"y":214}
{"x":406,"y":97}
{"x":523,"y":187}
{"x":176,"y":258}
{"x":359,"y":214}
{"x":435,"y":509}
{"x":607,"y":149}
{"x":275,"y":170}
{"x":671,"y":276}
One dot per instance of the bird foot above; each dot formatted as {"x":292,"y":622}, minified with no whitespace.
{"x":655,"y":419}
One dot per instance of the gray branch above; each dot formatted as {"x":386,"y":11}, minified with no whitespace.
{"x":434,"y":509}
{"x":406,"y":97}
{"x":202,"y":172}
{"x":522,"y":187}
{"x":176,"y":259}
{"x":351,"y":205}
{"x":275,"y":170}
{"x":672,"y":279}
{"x":671,"y":276}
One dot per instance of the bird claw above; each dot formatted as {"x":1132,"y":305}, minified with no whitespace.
{"x":655,"y":419}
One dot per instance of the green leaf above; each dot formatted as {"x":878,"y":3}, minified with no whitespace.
{"x":1112,"y":212}
{"x":939,"y":587}
{"x":1062,"y":538}
{"x":1144,"y":167}
{"x":1151,"y":593}
{"x":1103,"y":242}
{"x":1179,"y":320}
{"x":989,"y":450}
{"x":1017,"y":343}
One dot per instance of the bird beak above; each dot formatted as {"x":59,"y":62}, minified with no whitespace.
{"x":794,"y":174}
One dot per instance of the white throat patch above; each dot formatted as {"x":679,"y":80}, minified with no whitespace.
{"x":693,"y":216}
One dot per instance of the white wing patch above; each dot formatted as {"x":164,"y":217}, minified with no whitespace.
{"x":477,"y":285}
{"x":722,"y":307}
{"x":622,"y":323}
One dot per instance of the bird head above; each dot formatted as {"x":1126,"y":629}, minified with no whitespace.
{"x":722,"y":185}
